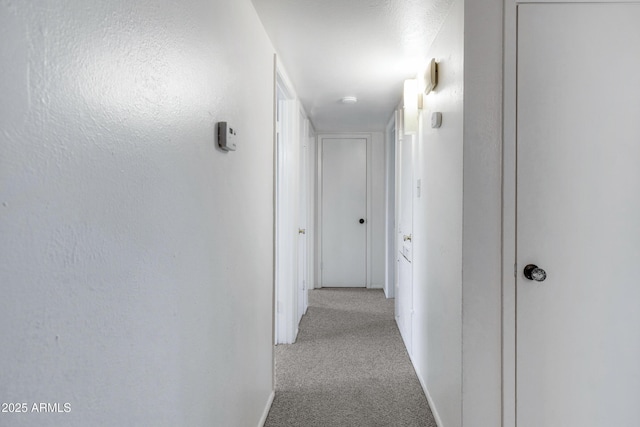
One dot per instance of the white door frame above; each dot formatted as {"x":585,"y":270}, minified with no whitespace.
{"x":286,"y":210}
{"x":390,"y":232}
{"x":311,"y":205}
{"x":509,"y":217}
{"x":368,"y":137}
{"x":305,"y":175}
{"x":399,"y":122}
{"x":404,"y":292}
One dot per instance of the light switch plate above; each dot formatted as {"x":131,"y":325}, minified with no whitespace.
{"x":436,"y":120}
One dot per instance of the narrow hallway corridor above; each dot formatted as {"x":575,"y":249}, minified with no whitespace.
{"x":348,"y":367}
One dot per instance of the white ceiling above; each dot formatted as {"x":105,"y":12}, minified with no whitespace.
{"x":363,"y":48}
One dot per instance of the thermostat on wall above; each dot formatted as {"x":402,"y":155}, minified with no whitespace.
{"x":226,"y":137}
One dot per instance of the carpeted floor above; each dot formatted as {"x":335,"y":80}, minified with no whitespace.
{"x":348,"y":367}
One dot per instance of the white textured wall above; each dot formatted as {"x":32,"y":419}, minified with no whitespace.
{"x":482,"y":238}
{"x":136,"y":258}
{"x":437,"y":229}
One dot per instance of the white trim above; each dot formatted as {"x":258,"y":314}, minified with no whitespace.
{"x":311,"y":208}
{"x":318,"y":224}
{"x":267,"y":408}
{"x":432,"y":405}
{"x":274,"y":265}
{"x":369,"y":141}
{"x":390,"y":140}
{"x":369,"y":223}
{"x":283,"y":80}
{"x":509,"y":215}
{"x":396,"y":202}
{"x":304,"y":220}
{"x":311,"y":205}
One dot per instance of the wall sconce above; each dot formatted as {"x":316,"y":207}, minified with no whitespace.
{"x":411,"y":106}
{"x":431,"y":76}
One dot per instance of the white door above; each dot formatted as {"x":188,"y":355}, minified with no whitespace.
{"x":303,"y":200}
{"x":404,"y":289}
{"x":578,"y":215}
{"x":344,"y":209}
{"x":286,"y":215}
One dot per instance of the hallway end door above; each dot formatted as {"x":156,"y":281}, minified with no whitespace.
{"x":344,"y":212}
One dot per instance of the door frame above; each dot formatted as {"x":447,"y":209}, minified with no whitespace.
{"x":286,"y":133}
{"x":390,"y":232}
{"x":509,"y":176}
{"x":404,"y":296}
{"x":509,"y":205}
{"x":319,"y":144}
{"x":305,"y":261}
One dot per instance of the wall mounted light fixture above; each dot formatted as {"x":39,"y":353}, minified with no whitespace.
{"x":431,"y":76}
{"x":411,"y":100}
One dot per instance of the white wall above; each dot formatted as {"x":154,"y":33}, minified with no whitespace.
{"x":457,"y":222}
{"x":482,"y":238}
{"x":136,"y":259}
{"x":437,"y":229}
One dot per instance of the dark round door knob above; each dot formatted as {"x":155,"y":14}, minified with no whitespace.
{"x":361,"y":221}
{"x":533,"y":272}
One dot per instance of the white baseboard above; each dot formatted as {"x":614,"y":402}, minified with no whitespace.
{"x":432,"y":405}
{"x":267,"y":408}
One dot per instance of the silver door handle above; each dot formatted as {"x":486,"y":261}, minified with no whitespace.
{"x":533,"y":272}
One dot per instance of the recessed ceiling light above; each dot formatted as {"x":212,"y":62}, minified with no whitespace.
{"x":349,"y":100}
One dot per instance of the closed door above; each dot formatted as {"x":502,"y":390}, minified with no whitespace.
{"x":303,"y":256}
{"x":344,"y":209}
{"x":404,"y":288}
{"x":578,"y":215}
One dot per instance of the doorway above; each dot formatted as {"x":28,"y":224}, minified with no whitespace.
{"x":344,"y":211}
{"x":292,"y":231}
{"x":577,"y":208}
{"x":305,"y":259}
{"x":404,"y":238}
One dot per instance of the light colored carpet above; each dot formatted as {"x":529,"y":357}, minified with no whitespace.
{"x":348,"y":367}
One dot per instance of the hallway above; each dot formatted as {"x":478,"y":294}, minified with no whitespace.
{"x":348,"y":367}
{"x":149,"y":261}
